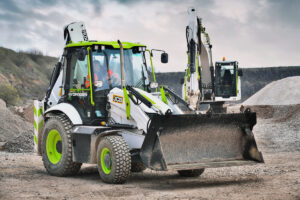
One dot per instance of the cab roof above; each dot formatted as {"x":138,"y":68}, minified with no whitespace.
{"x":114,"y":44}
{"x":226,"y":62}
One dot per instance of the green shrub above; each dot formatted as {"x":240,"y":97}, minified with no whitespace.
{"x":9,"y":94}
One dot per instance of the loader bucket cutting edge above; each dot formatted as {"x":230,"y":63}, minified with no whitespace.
{"x":200,"y":141}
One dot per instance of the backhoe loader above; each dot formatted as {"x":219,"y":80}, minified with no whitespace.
{"x":207,"y":86}
{"x":99,"y":109}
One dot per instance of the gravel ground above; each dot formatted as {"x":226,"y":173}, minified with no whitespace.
{"x":23,"y":176}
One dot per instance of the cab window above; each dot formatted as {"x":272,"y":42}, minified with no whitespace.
{"x":225,"y":80}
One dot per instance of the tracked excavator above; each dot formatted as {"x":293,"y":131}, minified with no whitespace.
{"x":207,"y":86}
{"x":99,"y":109}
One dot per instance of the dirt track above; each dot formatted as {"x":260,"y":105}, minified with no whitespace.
{"x":22,"y":175}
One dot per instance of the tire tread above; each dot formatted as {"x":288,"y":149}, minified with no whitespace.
{"x":69,"y":167}
{"x":122,"y":159}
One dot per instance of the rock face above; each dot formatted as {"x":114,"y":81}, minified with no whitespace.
{"x":15,"y":132}
{"x":2,"y":104}
{"x":253,"y":79}
{"x":3,"y":79}
{"x":28,"y":72}
{"x":283,"y":92}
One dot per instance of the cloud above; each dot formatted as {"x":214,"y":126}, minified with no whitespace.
{"x":256,"y":33}
{"x":287,"y":12}
{"x":39,"y":24}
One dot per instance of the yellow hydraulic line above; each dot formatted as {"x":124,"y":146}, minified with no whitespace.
{"x":185,"y":77}
{"x":90,"y":76}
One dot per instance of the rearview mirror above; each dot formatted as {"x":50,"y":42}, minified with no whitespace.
{"x":81,"y":54}
{"x":240,"y":72}
{"x":164,"y":58}
{"x":181,"y":81}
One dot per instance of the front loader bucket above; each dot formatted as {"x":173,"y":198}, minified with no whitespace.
{"x":200,"y":141}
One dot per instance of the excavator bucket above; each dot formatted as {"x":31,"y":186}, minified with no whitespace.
{"x":183,"y":142}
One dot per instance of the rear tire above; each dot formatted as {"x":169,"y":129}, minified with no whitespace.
{"x":113,"y":159}
{"x":191,"y":173}
{"x":57,"y":147}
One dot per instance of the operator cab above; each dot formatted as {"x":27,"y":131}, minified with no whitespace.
{"x":93,"y":69}
{"x":226,"y":79}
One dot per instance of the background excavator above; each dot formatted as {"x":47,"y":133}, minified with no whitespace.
{"x":99,"y":109}
{"x":205,"y":86}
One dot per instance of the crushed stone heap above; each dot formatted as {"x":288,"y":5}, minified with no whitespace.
{"x":15,"y":132}
{"x":282,"y":92}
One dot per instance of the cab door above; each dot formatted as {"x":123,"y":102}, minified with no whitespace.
{"x":78,"y":87}
{"x":226,"y":79}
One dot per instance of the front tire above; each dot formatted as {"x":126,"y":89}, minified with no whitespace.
{"x":191,"y":173}
{"x":113,"y":159}
{"x":57,"y":147}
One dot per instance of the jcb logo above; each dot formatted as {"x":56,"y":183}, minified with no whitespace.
{"x":118,"y":99}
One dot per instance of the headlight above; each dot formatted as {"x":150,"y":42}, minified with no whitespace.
{"x":153,"y":85}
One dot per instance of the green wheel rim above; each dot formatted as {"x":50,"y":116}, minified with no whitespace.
{"x":106,"y":160}
{"x":51,"y":146}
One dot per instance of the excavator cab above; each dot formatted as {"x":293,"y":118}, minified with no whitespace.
{"x":227,"y":81}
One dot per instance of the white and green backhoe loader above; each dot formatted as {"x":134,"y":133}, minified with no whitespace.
{"x":205,"y":86}
{"x":99,"y":109}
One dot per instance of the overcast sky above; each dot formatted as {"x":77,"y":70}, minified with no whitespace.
{"x":257,"y":33}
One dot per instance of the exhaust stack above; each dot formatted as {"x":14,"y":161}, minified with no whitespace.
{"x":122,"y":64}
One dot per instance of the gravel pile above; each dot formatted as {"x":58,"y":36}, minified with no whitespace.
{"x":281,"y":133}
{"x":278,"y":108}
{"x":282,"y":92}
{"x":16,"y":134}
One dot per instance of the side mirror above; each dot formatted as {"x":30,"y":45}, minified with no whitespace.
{"x":181,"y":81}
{"x":240,"y":72}
{"x":164,"y":58}
{"x":81,"y":54}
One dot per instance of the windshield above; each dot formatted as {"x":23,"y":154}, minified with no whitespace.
{"x":225,"y":80}
{"x":107,"y":69}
